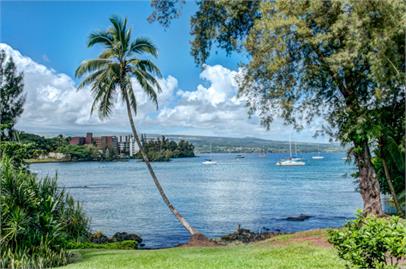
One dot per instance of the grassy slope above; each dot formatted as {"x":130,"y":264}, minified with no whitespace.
{"x":301,"y":250}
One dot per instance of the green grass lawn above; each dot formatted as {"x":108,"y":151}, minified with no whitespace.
{"x":301,"y":250}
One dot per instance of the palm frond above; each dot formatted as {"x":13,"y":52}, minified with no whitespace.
{"x":147,"y":77}
{"x":91,"y":78}
{"x":91,"y":65}
{"x":130,"y":93}
{"x":145,"y":84}
{"x":104,"y":93}
{"x":146,"y":66}
{"x":106,"y":54}
{"x":101,"y":37}
{"x":143,"y":45}
{"x":119,"y":27}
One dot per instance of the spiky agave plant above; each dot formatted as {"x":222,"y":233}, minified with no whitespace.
{"x":35,"y":219}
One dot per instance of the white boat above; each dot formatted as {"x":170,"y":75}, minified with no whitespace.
{"x":208,"y":162}
{"x":318,"y":156}
{"x":291,"y":161}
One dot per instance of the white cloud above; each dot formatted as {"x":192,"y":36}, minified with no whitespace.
{"x":54,"y":105}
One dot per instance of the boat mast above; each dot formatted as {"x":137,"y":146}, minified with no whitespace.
{"x":290,"y":147}
{"x":295,"y":149}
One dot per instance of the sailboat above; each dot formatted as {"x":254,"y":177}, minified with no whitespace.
{"x":318,"y":156}
{"x":290,"y":161}
{"x":295,"y":157}
{"x":209,"y":161}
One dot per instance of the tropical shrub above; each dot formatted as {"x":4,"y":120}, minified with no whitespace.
{"x":371,"y":242}
{"x":38,"y":218}
{"x":16,"y":152}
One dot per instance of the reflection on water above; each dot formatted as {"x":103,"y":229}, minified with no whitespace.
{"x":253,"y":192}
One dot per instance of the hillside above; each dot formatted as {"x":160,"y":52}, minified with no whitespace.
{"x":248,"y":144}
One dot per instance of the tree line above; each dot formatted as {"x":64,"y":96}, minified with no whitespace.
{"x":163,"y":149}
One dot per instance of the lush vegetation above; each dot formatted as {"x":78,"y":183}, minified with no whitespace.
{"x":285,"y":251}
{"x":371,"y":242}
{"x":43,"y":145}
{"x":81,"y":152}
{"x":38,"y":218}
{"x":162,"y":149}
{"x":17,"y":152}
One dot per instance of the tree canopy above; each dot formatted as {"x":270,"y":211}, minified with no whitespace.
{"x":343,"y":61}
{"x":11,"y":96}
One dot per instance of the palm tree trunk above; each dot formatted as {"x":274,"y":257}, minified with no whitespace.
{"x":368,"y":183}
{"x":178,"y":216}
{"x":391,"y":188}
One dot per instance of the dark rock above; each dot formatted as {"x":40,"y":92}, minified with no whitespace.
{"x":98,"y":238}
{"x":301,"y":217}
{"x":117,"y":237}
{"x":200,"y":240}
{"x":247,"y":236}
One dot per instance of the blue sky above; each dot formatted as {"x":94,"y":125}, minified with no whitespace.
{"x":55,"y":33}
{"x":48,"y":41}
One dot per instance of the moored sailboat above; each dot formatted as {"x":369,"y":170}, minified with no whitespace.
{"x":291,"y":161}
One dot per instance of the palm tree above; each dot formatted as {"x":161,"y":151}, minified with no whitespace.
{"x":111,"y":73}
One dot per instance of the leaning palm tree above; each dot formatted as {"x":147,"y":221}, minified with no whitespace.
{"x":110,"y":75}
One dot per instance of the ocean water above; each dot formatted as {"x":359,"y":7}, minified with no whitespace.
{"x":252,"y":192}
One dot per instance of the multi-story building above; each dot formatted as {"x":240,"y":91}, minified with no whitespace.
{"x":89,"y":138}
{"x":123,"y":144}
{"x":133,"y":146}
{"x":77,"y":140}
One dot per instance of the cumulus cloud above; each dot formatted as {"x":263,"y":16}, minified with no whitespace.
{"x":53,"y":102}
{"x":54,"y":105}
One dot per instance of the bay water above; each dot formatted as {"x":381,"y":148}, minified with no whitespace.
{"x":252,"y":192}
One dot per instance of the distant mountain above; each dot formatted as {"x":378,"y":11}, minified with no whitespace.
{"x":249,"y":144}
{"x":242,"y":145}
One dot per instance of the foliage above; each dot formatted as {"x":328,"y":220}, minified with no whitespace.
{"x":162,"y":149}
{"x":11,"y":96}
{"x":126,"y":244}
{"x":37,"y":218}
{"x":81,"y":152}
{"x":112,"y":71}
{"x":16,"y":152}
{"x":225,"y":23}
{"x":371,"y":242}
{"x":165,"y":11}
{"x":43,"y":143}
